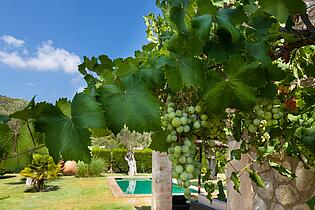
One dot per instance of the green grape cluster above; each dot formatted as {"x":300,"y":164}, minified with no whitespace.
{"x":265,"y":115}
{"x":185,"y":125}
{"x":185,"y":167}
{"x":192,"y":120}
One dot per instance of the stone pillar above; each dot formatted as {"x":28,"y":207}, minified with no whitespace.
{"x":161,"y":181}
{"x":235,"y":200}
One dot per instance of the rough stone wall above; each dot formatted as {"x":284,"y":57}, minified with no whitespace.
{"x":310,"y":5}
{"x":282,"y":193}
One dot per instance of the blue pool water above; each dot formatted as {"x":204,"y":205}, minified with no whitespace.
{"x":143,"y":186}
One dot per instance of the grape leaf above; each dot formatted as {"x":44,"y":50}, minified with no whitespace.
{"x":281,"y":8}
{"x":207,"y":175}
{"x":177,"y":15}
{"x":5,"y":137}
{"x":236,"y":180}
{"x":174,"y":78}
{"x":183,"y":71}
{"x":206,"y":7}
{"x":283,"y":171}
{"x":308,"y":139}
{"x":25,"y":113}
{"x":192,"y":71}
{"x":250,"y":7}
{"x":235,"y":87}
{"x":256,"y":178}
{"x":152,"y":76}
{"x":19,"y":148}
{"x":236,"y":154}
{"x":130,"y":103}
{"x":223,"y":50}
{"x":69,"y":136}
{"x":106,"y":61}
{"x":210,"y":188}
{"x":261,"y":22}
{"x":230,"y":18}
{"x":158,"y":142}
{"x":125,"y":68}
{"x":172,"y":73}
{"x":201,"y":25}
{"x":269,"y":91}
{"x":221,"y":195}
{"x":237,"y":127}
{"x":259,"y":51}
{"x":65,"y":106}
{"x":311,"y":203}
{"x":182,"y":45}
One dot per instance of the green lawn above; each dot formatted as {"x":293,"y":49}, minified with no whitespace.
{"x":72,"y":193}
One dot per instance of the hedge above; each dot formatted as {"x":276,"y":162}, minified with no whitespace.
{"x":116,"y":158}
{"x":119,"y":164}
{"x":144,"y":160}
{"x":104,"y":154}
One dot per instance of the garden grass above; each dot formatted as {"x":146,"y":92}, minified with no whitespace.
{"x":72,"y":193}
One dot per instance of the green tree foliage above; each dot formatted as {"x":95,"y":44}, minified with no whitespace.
{"x":132,"y":140}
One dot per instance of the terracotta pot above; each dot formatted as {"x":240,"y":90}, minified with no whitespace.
{"x":70,"y":168}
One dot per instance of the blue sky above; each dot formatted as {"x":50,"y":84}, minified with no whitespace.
{"x":41,"y":42}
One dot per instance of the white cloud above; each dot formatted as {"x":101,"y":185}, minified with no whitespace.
{"x":11,"y":40}
{"x":46,"y":58}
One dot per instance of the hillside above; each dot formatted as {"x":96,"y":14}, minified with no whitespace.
{"x":9,"y":105}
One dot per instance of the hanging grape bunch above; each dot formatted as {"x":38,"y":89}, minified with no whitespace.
{"x":265,"y":116}
{"x":186,"y":125}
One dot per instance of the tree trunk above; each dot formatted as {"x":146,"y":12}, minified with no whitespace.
{"x":161,"y":181}
{"x":130,"y":158}
{"x":29,"y":183}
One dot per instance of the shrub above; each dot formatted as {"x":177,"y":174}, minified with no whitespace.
{"x":42,"y":168}
{"x":119,"y":164}
{"x":143,"y":159}
{"x":104,"y":154}
{"x":93,"y":169}
{"x":83,"y":169}
{"x":96,"y":167}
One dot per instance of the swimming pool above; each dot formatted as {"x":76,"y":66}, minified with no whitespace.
{"x":143,"y":186}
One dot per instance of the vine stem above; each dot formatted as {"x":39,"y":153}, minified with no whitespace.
{"x":22,"y":153}
{"x":305,"y":18}
{"x":242,"y":170}
{"x":30,"y":131}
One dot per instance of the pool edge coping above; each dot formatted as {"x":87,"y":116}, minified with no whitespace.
{"x":116,"y":190}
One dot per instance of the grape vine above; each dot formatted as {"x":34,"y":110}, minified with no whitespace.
{"x":244,"y":56}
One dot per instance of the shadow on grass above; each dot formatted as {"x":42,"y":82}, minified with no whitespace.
{"x":4,"y":197}
{"x":15,"y":183}
{"x":7,"y":176}
{"x":143,"y":207}
{"x":48,"y":188}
